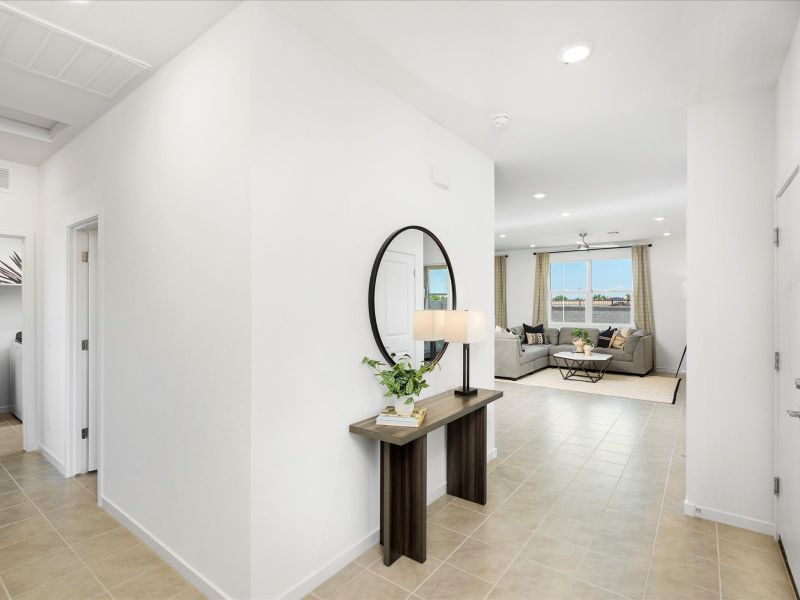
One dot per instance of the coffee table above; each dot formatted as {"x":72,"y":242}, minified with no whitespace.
{"x":578,"y":366}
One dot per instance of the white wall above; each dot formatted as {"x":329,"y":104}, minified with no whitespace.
{"x":168,"y":167}
{"x":668,"y":277}
{"x":729,"y":412}
{"x":19,"y":207}
{"x":351,"y":166}
{"x":10,"y":320}
{"x":788,"y":115}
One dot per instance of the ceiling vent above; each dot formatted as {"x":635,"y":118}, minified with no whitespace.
{"x":35,"y":127}
{"x":5,"y":179}
{"x":36,"y":46}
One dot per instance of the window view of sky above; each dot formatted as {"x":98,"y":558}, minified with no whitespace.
{"x":610,"y":274}
{"x":438,"y":281}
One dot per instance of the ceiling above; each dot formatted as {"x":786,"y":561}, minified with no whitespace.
{"x":605,"y":138}
{"x":122,"y":44}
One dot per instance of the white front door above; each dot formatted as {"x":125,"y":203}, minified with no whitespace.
{"x":395,"y":292}
{"x":788,"y":418}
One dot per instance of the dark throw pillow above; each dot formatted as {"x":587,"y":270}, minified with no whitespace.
{"x":528,"y":329}
{"x":605,"y":337}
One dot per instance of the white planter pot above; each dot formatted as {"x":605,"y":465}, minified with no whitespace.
{"x":578,"y":345}
{"x":403,"y":408}
{"x":587,"y":350}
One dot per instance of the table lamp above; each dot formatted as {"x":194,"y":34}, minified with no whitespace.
{"x":429,"y":325}
{"x":464,"y":327}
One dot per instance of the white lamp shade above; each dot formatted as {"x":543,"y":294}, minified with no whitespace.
{"x":464,"y":326}
{"x":429,"y":324}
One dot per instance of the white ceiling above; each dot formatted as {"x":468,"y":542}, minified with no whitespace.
{"x":606,"y":138}
{"x":148,"y":32}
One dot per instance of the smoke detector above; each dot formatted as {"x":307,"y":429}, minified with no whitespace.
{"x":500,"y":120}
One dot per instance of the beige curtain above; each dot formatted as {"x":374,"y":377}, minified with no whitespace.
{"x":500,"y":316}
{"x":642,"y":290}
{"x":540,"y":289}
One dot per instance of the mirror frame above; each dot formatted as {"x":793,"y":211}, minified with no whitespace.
{"x":374,"y":276}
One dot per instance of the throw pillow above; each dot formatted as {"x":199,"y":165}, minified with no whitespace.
{"x":605,"y":338}
{"x":620,"y":338}
{"x":535,"y":339}
{"x":530,"y":329}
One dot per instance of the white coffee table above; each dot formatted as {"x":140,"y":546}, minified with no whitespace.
{"x":578,"y":366}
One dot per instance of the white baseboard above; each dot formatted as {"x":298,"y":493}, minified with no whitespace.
{"x":5,"y":408}
{"x":491,"y":455}
{"x":163,"y":551}
{"x":669,"y":370}
{"x":53,"y":460}
{"x":720,"y":516}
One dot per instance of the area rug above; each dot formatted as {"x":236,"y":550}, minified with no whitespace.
{"x":653,"y":388}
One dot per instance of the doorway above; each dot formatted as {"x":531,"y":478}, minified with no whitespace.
{"x":84,"y":345}
{"x":787,"y":213}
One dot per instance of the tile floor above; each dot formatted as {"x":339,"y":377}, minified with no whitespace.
{"x":585,"y":502}
{"x":55,"y":543}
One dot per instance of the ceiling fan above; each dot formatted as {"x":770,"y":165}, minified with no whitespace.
{"x":584,"y":245}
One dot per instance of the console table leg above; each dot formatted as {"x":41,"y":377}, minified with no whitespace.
{"x":404,"y":494}
{"x":466,"y":457}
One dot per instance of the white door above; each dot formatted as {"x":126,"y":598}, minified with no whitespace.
{"x":91,"y":397}
{"x":788,"y":285}
{"x":86,"y":330}
{"x":395,"y":293}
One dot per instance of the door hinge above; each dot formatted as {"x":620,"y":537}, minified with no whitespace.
{"x":84,"y":344}
{"x":776,"y":236}
{"x":84,"y":433}
{"x":85,"y":256}
{"x":777,"y":361}
{"x":776,"y":485}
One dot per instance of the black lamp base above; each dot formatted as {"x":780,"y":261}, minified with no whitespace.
{"x":460,"y":391}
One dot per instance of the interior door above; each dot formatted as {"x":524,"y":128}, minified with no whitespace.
{"x":788,"y":418}
{"x":395,"y":292}
{"x":91,"y":318}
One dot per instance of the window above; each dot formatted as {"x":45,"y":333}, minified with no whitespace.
{"x":437,"y":288}
{"x":595,"y":291}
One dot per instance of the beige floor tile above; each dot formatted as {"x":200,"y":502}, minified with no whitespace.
{"x":695,"y":524}
{"x":29,"y":549}
{"x":62,"y":497}
{"x":568,"y":529}
{"x":556,"y":554}
{"x":72,"y":514}
{"x":104,"y":545}
{"x":504,"y":534}
{"x":17,"y":532}
{"x":338,"y":581}
{"x":532,"y":580}
{"x":621,"y":576}
{"x":438,"y":504}
{"x":481,"y":560}
{"x":8,"y":486}
{"x":40,"y":571}
{"x":442,"y":541}
{"x":585,"y":591}
{"x":664,"y":586}
{"x":527,"y":515}
{"x":126,"y":565}
{"x":512,"y":473}
{"x":449,"y":582}
{"x":742,"y":536}
{"x":160,"y":583}
{"x":370,"y":556}
{"x":78,"y":585}
{"x":746,"y":585}
{"x":458,"y":519}
{"x":12,"y":498}
{"x":621,"y":545}
{"x":88,"y":528}
{"x":688,"y":568}
{"x":192,"y":593}
{"x":684,"y":541}
{"x":17,"y":513}
{"x":752,"y":558}
{"x":405,"y":572}
{"x":369,"y":586}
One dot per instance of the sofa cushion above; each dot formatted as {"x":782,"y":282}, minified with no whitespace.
{"x":505,"y":335}
{"x":552,"y":335}
{"x":619,"y":355}
{"x":520,"y":333}
{"x":561,"y":348}
{"x":530,"y":353}
{"x":633,"y":341}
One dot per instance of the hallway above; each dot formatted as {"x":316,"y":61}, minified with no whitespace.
{"x":55,"y":543}
{"x":585,"y":501}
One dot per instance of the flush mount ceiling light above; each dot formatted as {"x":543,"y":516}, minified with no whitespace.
{"x":659,"y":218}
{"x":531,"y":245}
{"x":575,"y":52}
{"x":566,"y":214}
{"x":502,"y":235}
{"x":539,"y":195}
{"x":500,"y":120}
{"x":667,"y":234}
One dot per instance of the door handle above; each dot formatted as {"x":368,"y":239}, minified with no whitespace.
{"x":793,"y":413}
{"x":797,"y":383}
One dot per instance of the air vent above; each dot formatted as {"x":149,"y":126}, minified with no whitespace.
{"x":5,"y":179}
{"x":36,"y":46}
{"x":35,"y":127}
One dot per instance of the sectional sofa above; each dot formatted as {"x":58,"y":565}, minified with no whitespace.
{"x":513,"y":358}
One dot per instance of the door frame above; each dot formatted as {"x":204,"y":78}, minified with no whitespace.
{"x":72,"y":465}
{"x":30,"y":429}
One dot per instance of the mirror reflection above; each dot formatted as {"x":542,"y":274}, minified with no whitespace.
{"x":412,"y":275}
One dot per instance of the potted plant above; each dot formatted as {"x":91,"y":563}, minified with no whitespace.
{"x":580,"y":337}
{"x":402,"y":381}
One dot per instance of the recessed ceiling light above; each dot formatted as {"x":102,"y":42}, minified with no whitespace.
{"x":575,"y":52}
{"x":667,"y":234}
{"x":539,"y":195}
{"x":500,"y":120}
{"x":80,"y":1}
{"x":531,"y":245}
{"x":566,"y":214}
{"x":502,"y":235}
{"x":612,"y":233}
{"x":659,"y":218}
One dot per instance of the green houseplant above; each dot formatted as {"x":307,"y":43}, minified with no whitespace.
{"x":580,"y":337}
{"x":403,"y":380}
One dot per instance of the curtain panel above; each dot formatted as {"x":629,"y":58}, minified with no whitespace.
{"x":541,"y":274}
{"x":500,"y":315}
{"x":642,"y":291}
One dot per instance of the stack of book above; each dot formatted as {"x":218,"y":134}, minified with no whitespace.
{"x":390,"y":417}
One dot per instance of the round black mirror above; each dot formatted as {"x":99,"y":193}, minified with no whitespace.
{"x":411,"y":272}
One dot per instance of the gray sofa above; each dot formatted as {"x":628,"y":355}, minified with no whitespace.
{"x":514,"y":359}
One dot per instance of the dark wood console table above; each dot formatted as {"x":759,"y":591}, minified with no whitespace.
{"x":404,"y":472}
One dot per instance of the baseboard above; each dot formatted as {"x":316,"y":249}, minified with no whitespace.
{"x":163,"y":551}
{"x":692,"y":510}
{"x":669,"y":370}
{"x":437,"y":492}
{"x":5,"y":408}
{"x":491,"y":455}
{"x":53,"y":460}
{"x":330,"y":569}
